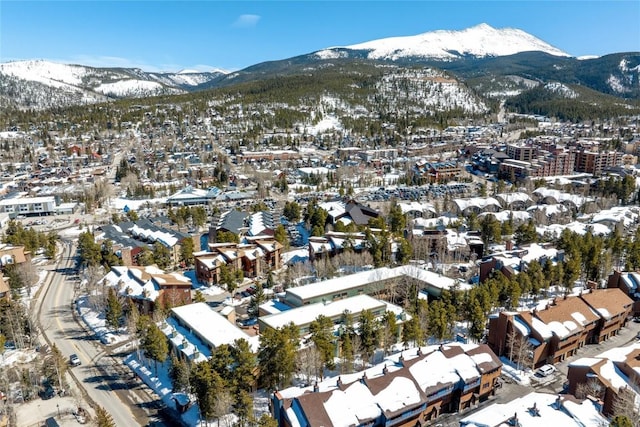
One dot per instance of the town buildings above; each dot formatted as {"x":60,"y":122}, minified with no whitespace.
{"x":409,"y":388}
{"x":561,"y":329}
{"x":613,"y":376}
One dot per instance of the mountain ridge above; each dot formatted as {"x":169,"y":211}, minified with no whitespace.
{"x":478,"y":41}
{"x":481,"y":63}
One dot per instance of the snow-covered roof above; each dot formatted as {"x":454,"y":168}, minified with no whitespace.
{"x":571,"y":413}
{"x":165,"y":238}
{"x":308,"y":313}
{"x":510,"y":198}
{"x":521,"y":326}
{"x":399,"y":393}
{"x":545,"y":331}
{"x":416,"y":207}
{"x":208,"y":325}
{"x":504,"y":216}
{"x":577,"y":227}
{"x":618,"y":214}
{"x":318,"y":289}
{"x":550,"y":209}
{"x":434,"y":370}
{"x":536,"y":252}
{"x":562,"y":197}
{"x":476,"y":202}
{"x":347,"y":408}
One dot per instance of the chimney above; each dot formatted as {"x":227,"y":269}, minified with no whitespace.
{"x":385,"y":370}
{"x":514,"y":420}
{"x":339,"y":382}
{"x":315,"y":387}
{"x":419,"y":352}
{"x":364,"y":376}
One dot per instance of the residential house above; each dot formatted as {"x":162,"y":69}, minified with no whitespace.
{"x":149,"y":286}
{"x":538,"y":409}
{"x":281,"y":315}
{"x":348,"y":212}
{"x":629,"y":283}
{"x":195,"y":330}
{"x":407,"y":389}
{"x":256,"y":258}
{"x":129,"y":239}
{"x":615,"y":372}
{"x":614,"y":308}
{"x":560,"y":330}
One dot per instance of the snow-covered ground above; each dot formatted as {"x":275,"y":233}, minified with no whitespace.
{"x":520,"y":376}
{"x":120,"y":203}
{"x":97,"y":323}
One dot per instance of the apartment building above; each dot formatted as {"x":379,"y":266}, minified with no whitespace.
{"x":410,"y":388}
{"x":560,"y":330}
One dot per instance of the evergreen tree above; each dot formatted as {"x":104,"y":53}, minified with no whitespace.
{"x":389,"y":330}
{"x":257,"y":299}
{"x":321,"y":331}
{"x":154,"y":344}
{"x":113,"y":310}
{"x":88,"y":250}
{"x":267,"y":420}
{"x":276,"y":356}
{"x":347,"y":349}
{"x":620,"y":421}
{"x":245,"y":364}
{"x":222,"y":362}
{"x":397,"y":220}
{"x":186,"y":252}
{"x":369,"y":334}
{"x":104,"y":418}
{"x":199,"y":297}
{"x":291,"y":211}
{"x":243,"y":408}
{"x":161,"y":255}
{"x":179,"y":374}
{"x":206,"y":384}
{"x":280,"y":234}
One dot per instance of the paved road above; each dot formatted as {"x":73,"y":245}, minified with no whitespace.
{"x":102,"y":381}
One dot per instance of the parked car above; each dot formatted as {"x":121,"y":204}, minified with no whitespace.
{"x":546,"y":370}
{"x":74,"y":360}
{"x":48,"y":392}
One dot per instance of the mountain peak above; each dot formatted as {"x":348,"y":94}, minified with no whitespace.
{"x":479,"y":41}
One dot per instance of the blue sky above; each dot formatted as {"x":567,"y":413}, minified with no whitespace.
{"x":174,"y":35}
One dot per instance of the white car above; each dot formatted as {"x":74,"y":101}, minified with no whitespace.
{"x":74,"y":360}
{"x":546,"y":370}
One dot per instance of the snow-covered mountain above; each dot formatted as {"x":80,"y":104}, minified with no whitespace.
{"x":43,"y":84}
{"x":480,"y":41}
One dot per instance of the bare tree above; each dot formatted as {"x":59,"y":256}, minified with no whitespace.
{"x":625,"y":404}
{"x":222,"y":406}
{"x":94,"y":287}
{"x":28,"y":275}
{"x":592,"y":387}
{"x":309,"y":363}
{"x":520,"y":349}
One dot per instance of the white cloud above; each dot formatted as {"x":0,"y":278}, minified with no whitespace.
{"x":246,"y":21}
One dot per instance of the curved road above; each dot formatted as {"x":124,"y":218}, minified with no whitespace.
{"x":97,"y":375}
